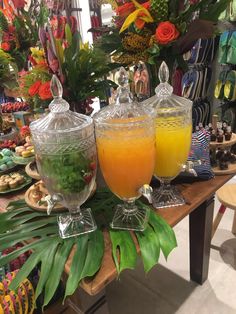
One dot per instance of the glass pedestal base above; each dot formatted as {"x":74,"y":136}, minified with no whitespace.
{"x":135,"y":219}
{"x":167,"y":196}
{"x":71,"y":225}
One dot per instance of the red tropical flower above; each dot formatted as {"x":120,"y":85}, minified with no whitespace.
{"x":34,"y":89}
{"x":5,"y":46}
{"x":45,"y":91}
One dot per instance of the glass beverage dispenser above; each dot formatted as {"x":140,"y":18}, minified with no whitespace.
{"x":125,"y":137}
{"x":173,"y":116}
{"x":66,"y":159}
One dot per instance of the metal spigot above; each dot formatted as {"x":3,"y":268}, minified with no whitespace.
{"x":146,"y":191}
{"x":52,"y":200}
{"x":189,"y":166}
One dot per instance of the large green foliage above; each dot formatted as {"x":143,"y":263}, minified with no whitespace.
{"x":85,"y":69}
{"x":50,"y":252}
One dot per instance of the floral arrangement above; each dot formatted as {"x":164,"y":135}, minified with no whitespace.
{"x":154,"y":30}
{"x":19,"y":28}
{"x":81,"y":68}
{"x":34,"y":84}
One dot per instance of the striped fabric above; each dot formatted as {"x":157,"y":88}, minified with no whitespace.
{"x":200,"y":151}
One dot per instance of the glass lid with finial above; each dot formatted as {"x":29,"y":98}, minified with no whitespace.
{"x":66,"y":158}
{"x":124,"y":110}
{"x":60,"y":120}
{"x":164,"y":102}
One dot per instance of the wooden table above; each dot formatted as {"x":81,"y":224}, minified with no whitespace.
{"x":199,"y":207}
{"x":200,"y":199}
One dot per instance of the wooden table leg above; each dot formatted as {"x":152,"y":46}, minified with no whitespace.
{"x":200,"y":226}
{"x":234,"y":224}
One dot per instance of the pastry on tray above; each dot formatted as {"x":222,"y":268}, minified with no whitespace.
{"x":11,"y":181}
{"x":36,"y":197}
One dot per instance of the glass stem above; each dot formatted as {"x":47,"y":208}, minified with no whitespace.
{"x":76,"y":213}
{"x":165,"y":184}
{"x":130,"y":207}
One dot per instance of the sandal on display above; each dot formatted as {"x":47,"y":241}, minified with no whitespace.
{"x":224,"y":46}
{"x":220,"y":84}
{"x":230,"y":86}
{"x":231,"y":53}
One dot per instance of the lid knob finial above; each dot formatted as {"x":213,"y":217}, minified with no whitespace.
{"x":56,"y":87}
{"x":123,"y":91}
{"x":58,"y":104}
{"x":164,"y":89}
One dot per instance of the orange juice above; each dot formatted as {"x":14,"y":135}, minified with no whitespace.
{"x":127,"y":159}
{"x":173,"y":142}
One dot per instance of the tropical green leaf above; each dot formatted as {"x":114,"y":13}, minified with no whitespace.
{"x":165,"y":232}
{"x":52,"y":252}
{"x":5,"y":259}
{"x":150,"y":247}
{"x":49,"y":221}
{"x":60,"y":51}
{"x":57,"y":268}
{"x":94,"y":255}
{"x":123,"y":250}
{"x":26,"y":269}
{"x":47,"y":259}
{"x":14,"y":222}
{"x":14,"y":238}
{"x":68,"y":34}
{"x":77,"y":265}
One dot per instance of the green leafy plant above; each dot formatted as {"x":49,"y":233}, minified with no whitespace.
{"x":81,"y":68}
{"x":8,"y":71}
{"x":51,"y":252}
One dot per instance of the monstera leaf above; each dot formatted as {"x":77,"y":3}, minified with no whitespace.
{"x":50,"y":253}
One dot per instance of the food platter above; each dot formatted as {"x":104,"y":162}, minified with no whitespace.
{"x":32,"y":171}
{"x":33,"y":200}
{"x":22,"y":160}
{"x":26,"y":182}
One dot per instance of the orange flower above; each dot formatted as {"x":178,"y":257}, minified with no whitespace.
{"x":34,"y":89}
{"x":5,"y":46}
{"x":125,"y":9}
{"x":166,"y":32}
{"x":45,"y":91}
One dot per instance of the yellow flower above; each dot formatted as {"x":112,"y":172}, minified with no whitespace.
{"x":37,"y":54}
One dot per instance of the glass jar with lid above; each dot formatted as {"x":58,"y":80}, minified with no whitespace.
{"x":66,"y":159}
{"x":173,"y":115}
{"x":125,"y":137}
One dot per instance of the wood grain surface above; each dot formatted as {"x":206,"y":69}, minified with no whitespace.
{"x":195,"y":194}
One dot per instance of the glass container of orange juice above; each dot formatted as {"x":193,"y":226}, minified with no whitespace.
{"x":125,"y":137}
{"x":173,"y":138}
